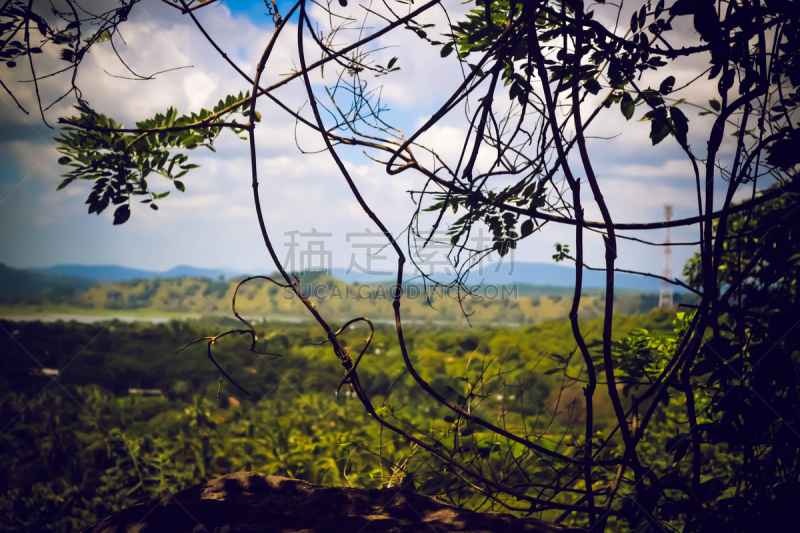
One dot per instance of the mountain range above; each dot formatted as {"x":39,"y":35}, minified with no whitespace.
{"x":535,"y":274}
{"x":120,"y":273}
{"x":186,"y":291}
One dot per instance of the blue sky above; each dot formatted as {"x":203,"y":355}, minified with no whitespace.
{"x":213,"y":223}
{"x":254,"y":9}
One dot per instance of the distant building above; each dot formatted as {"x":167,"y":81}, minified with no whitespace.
{"x":146,"y":392}
{"x":47,"y":372}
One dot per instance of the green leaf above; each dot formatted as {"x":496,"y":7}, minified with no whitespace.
{"x":446,"y":50}
{"x":122,"y":214}
{"x":154,"y":207}
{"x":784,"y":153}
{"x":179,"y":185}
{"x":659,"y":8}
{"x":527,"y":228}
{"x":643,"y":16}
{"x":681,"y":124}
{"x":706,"y":21}
{"x":104,"y":36}
{"x":674,"y":442}
{"x":436,"y":484}
{"x":627,"y":106}
{"x":392,"y":61}
{"x":667,"y":85}
{"x":652,"y":97}
{"x":64,"y":160}
{"x":683,"y":447}
{"x":593,"y":86}
{"x":659,"y":128}
{"x":714,"y":105}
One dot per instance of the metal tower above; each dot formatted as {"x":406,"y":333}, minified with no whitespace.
{"x":665,"y":296}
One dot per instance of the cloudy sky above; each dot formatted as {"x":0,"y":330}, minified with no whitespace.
{"x":213,"y":223}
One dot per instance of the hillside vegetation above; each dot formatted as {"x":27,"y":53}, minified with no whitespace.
{"x":82,"y":444}
{"x":503,"y":305}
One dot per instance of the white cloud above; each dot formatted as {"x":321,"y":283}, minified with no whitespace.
{"x":675,"y":169}
{"x":213,"y":223}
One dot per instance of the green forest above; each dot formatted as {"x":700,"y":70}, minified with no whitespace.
{"x":82,"y":447}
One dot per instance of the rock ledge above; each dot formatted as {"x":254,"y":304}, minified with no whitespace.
{"x":251,"y":502}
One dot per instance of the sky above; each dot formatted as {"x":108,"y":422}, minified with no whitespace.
{"x":213,"y":224}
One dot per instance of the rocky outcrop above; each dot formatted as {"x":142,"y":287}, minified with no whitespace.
{"x":250,"y":502}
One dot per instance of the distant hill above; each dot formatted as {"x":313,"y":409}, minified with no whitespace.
{"x":529,"y":278}
{"x":23,"y":291}
{"x":19,"y":285}
{"x":541,"y":275}
{"x":119,"y":273}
